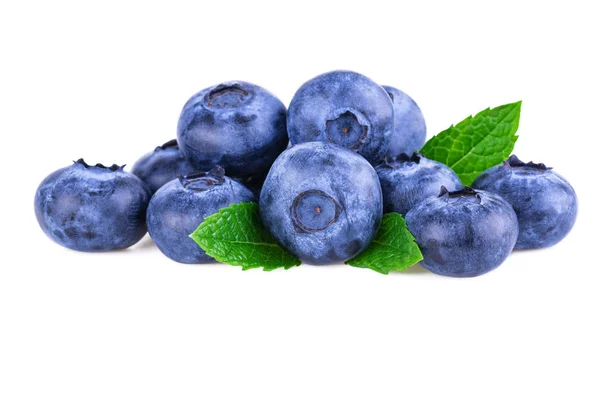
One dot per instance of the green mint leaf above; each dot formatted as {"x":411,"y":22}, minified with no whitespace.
{"x":477,"y":143}
{"x":235,"y":235}
{"x":393,"y":249}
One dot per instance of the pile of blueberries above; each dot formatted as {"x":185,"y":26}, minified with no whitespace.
{"x":323,"y":172}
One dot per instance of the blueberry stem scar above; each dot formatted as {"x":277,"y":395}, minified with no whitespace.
{"x":113,"y":167}
{"x":393,"y":162}
{"x":514,"y":161}
{"x":349,"y":126}
{"x":466,"y":191}
{"x":222,"y":90}
{"x":318,"y":209}
{"x":169,"y":145}
{"x":199,"y":181}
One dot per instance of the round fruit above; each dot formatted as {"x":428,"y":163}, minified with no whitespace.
{"x":545,"y":203}
{"x":92,"y":207}
{"x":321,"y":202}
{"x":180,"y":206}
{"x":409,"y":124}
{"x":162,"y":165}
{"x":237,"y":125}
{"x":405,"y":181}
{"x":463,"y":233}
{"x":344,"y":108}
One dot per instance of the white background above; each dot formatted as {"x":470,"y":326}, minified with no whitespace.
{"x":107,"y":81}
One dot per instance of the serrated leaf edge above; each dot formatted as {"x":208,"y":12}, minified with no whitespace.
{"x":513,"y":137}
{"x":197,"y":238}
{"x":379,"y":269}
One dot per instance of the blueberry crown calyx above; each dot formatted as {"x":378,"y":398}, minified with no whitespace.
{"x":200,"y":181}
{"x":513,"y":161}
{"x":113,"y":167}
{"x":171,"y":144}
{"x":227,"y":95}
{"x":402,"y":158}
{"x":465,"y":191}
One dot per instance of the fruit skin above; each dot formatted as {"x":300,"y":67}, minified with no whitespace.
{"x":545,"y":203}
{"x":407,"y":180}
{"x":237,"y":125}
{"x":180,"y":206}
{"x":345,"y":108}
{"x":162,"y":165}
{"x":463,"y":233}
{"x":321,"y":202}
{"x":92,"y":208}
{"x":409,"y":124}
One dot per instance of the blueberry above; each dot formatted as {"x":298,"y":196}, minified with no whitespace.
{"x":409,"y":124}
{"x":463,"y":233}
{"x":162,"y":165}
{"x":92,"y":208}
{"x":177,"y":208}
{"x":344,"y":108}
{"x":545,"y":203}
{"x":237,"y":125}
{"x":321,"y":202}
{"x":405,"y":181}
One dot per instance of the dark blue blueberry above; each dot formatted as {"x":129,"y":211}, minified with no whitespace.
{"x":162,"y":165}
{"x":463,"y":233}
{"x":545,"y":203}
{"x":409,"y":127}
{"x":405,"y":181}
{"x":180,"y":206}
{"x":237,"y":125}
{"x":92,"y":208}
{"x":321,"y":202}
{"x":344,"y":108}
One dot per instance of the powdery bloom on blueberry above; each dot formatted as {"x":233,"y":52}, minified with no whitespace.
{"x":180,"y":206}
{"x":321,"y":202}
{"x":92,"y":207}
{"x":545,"y":203}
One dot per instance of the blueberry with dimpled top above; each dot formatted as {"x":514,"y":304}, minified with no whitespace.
{"x":92,"y":207}
{"x":407,"y":180}
{"x":321,"y":202}
{"x":463,"y":233}
{"x":237,"y":125}
{"x":545,"y":203}
{"x":180,"y":206}
{"x":344,"y":108}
